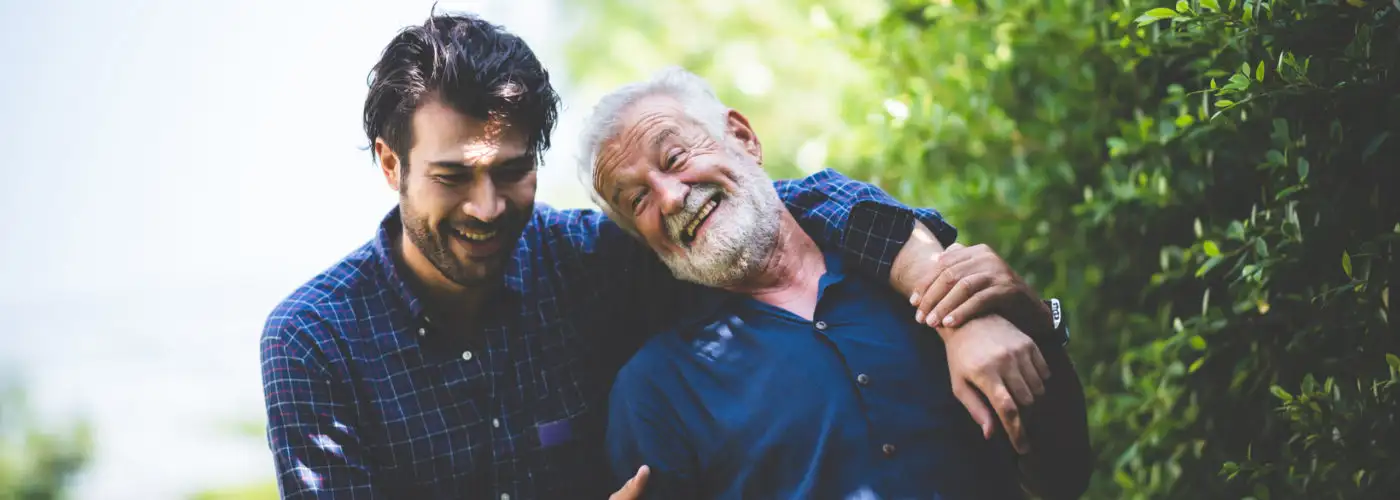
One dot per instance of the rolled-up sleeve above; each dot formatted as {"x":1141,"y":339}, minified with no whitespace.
{"x":870,"y":226}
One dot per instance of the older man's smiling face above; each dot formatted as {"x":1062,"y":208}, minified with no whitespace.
{"x":702,"y":203}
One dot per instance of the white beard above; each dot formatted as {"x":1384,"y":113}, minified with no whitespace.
{"x":739,"y":235}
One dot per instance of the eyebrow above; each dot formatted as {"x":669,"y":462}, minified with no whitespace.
{"x":457,"y":165}
{"x":660,"y":139}
{"x":656,"y":143}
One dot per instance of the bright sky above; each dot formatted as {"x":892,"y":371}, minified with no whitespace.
{"x":160,"y":144}
{"x":175,"y":168}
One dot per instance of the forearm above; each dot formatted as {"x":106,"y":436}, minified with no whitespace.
{"x":1059,"y":464}
{"x":918,"y":252}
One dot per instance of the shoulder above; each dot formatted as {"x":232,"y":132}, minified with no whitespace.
{"x":299,"y":318}
{"x":580,"y":228}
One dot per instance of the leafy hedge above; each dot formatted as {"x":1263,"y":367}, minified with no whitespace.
{"x":1213,"y":186}
{"x":1210,"y":185}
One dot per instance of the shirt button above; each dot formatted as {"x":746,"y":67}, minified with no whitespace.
{"x":466,"y":355}
{"x":821,"y":325}
{"x":505,"y":496}
{"x":863,"y":379}
{"x":888,"y":449}
{"x":496,"y":422}
{"x":422,"y":332}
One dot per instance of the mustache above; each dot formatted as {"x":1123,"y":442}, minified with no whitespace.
{"x":475,"y":225}
{"x":696,"y":198}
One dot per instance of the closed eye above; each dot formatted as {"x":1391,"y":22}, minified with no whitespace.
{"x":637,"y":199}
{"x":451,"y":179}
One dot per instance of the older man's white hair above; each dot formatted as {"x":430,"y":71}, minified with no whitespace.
{"x":694,"y":94}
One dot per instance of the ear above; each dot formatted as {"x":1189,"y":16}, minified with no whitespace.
{"x":741,"y":131}
{"x":389,"y":163}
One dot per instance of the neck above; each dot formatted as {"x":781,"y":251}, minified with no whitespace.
{"x":789,"y":276}
{"x":444,"y":298}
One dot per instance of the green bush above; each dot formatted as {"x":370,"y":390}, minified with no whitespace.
{"x":1209,"y":184}
{"x":37,"y":461}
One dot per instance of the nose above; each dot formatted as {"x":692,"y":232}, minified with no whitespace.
{"x":484,"y":202}
{"x":670,"y":192}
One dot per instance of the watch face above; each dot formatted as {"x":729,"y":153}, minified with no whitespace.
{"x":1055,"y":312}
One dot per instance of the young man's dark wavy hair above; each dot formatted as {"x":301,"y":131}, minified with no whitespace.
{"x":471,"y":65}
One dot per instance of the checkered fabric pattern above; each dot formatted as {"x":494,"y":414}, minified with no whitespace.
{"x":368,"y":398}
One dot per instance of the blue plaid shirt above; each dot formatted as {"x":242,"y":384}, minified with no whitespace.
{"x":367,"y":398}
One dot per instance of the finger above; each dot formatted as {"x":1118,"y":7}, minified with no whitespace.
{"x":923,"y":282}
{"x":972,"y":400}
{"x":1041,"y":367}
{"x":949,"y":272}
{"x":921,"y":296}
{"x":1031,"y":373}
{"x":1010,"y":416}
{"x":968,"y":298}
{"x":633,"y":489}
{"x":1023,"y":400}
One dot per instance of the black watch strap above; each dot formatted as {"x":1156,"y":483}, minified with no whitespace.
{"x":1060,"y":334}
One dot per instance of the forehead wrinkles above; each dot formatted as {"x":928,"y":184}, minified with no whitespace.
{"x":631,"y":146}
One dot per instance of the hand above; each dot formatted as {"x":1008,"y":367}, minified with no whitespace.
{"x":633,"y":489}
{"x":988,"y":354}
{"x":966,"y":282}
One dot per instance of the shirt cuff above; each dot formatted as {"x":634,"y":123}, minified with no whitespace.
{"x":879,"y":230}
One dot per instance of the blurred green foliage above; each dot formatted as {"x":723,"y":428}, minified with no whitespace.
{"x":37,"y":461}
{"x":1210,"y":185}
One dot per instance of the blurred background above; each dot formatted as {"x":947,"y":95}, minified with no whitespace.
{"x":1208,"y":184}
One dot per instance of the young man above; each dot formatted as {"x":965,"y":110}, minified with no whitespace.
{"x":466,"y":350}
{"x":790,"y":377}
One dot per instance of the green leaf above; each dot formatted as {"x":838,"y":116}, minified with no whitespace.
{"x":1261,"y":248}
{"x":1196,"y":365}
{"x":1392,"y":360}
{"x":1198,"y":343}
{"x":1211,"y":249}
{"x":1259,"y":71}
{"x":1281,"y":394}
{"x":1183,"y":6}
{"x":1346,"y":263}
{"x":1212,"y":84}
{"x":1224,"y":103}
{"x":1211,"y":4}
{"x":1276,"y":157}
{"x":1235,"y":231}
{"x":1303,"y":168}
{"x":1374,"y":145}
{"x":1155,"y":15}
{"x":1210,"y":264}
{"x":1287,"y":191}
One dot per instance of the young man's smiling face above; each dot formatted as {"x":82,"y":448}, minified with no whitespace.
{"x":465,"y":194}
{"x":702,"y":203}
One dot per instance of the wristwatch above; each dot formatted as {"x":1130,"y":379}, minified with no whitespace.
{"x":1060,"y":334}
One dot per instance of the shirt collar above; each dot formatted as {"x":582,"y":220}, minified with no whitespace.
{"x":707,"y":303}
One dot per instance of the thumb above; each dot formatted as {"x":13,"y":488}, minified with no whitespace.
{"x":972,"y":400}
{"x":633,"y":489}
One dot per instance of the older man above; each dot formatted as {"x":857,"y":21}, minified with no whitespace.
{"x":465,"y":350}
{"x":791,"y":376}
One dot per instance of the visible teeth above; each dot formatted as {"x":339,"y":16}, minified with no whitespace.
{"x":478,"y":236}
{"x":700,"y":217}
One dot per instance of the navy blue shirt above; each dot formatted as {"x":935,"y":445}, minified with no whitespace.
{"x":747,"y":400}
{"x":368,"y":396}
